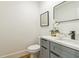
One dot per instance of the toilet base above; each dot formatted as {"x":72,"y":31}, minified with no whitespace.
{"x":35,"y":55}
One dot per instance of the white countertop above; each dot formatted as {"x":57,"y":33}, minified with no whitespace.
{"x":74,"y":44}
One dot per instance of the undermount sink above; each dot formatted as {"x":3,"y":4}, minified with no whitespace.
{"x":66,"y":38}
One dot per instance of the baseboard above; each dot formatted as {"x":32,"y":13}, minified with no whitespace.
{"x":14,"y":54}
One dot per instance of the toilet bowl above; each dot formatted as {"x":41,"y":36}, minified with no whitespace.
{"x":33,"y":49}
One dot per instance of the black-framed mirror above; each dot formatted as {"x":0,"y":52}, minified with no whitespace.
{"x":66,"y":11}
{"x":44,"y":19}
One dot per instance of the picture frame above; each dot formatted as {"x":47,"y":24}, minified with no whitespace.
{"x":44,"y":19}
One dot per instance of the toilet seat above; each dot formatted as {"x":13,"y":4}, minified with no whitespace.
{"x":33,"y":48}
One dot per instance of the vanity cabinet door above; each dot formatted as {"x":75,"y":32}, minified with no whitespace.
{"x":67,"y":52}
{"x":77,"y":54}
{"x":44,"y":52}
{"x":55,"y":48}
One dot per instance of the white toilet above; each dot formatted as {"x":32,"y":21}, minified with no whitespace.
{"x":33,"y":50}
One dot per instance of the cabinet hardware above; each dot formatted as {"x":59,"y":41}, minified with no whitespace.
{"x":55,"y":54}
{"x":44,"y":47}
{"x":44,"y":39}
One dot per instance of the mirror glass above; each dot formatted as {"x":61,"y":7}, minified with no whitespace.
{"x":67,"y":10}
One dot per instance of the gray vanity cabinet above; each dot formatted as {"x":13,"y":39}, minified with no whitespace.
{"x":44,"y":50}
{"x":50,"y":49}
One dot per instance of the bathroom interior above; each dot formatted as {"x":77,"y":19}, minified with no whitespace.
{"x":39,"y":29}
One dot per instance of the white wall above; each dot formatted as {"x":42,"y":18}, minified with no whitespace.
{"x":18,"y":25}
{"x":47,"y":6}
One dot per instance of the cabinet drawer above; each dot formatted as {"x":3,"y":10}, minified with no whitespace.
{"x":55,"y":48}
{"x":45,"y":43}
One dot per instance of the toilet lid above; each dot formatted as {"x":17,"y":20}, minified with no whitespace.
{"x":34,"y":47}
